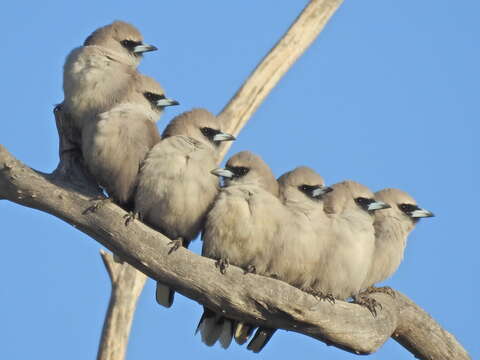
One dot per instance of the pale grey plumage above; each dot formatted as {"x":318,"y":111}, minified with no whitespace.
{"x":300,"y":245}
{"x":176,"y":189}
{"x":348,"y":255}
{"x":237,"y":228}
{"x":392,"y":227}
{"x":98,"y":74}
{"x":242,"y":226}
{"x":116,"y":143}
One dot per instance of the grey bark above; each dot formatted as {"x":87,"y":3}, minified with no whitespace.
{"x":249,"y":298}
{"x":235,"y":115}
{"x":127,"y":285}
{"x":67,"y":192}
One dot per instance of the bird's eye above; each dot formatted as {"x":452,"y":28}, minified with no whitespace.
{"x":208,"y":132}
{"x":238,"y":171}
{"x":307,"y":189}
{"x":130,"y":44}
{"x":408,"y":208}
{"x":363,"y":201}
{"x":152,"y":97}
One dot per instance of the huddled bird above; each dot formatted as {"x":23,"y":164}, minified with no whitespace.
{"x":334,"y":242}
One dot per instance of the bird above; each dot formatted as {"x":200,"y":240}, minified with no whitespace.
{"x":117,"y":142}
{"x":240,"y":229}
{"x":175,"y":187}
{"x":392,"y":227}
{"x":299,"y":244}
{"x":98,"y":74}
{"x":350,"y":208}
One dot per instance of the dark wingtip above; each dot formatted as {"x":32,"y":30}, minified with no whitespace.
{"x":261,"y":338}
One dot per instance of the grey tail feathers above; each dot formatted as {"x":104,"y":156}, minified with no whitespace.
{"x":261,"y":338}
{"x":164,"y":295}
{"x":242,"y":332}
{"x":226,"y":334}
{"x":214,"y":327}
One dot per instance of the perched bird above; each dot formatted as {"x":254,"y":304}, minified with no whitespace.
{"x":175,"y":188}
{"x":116,"y":143}
{"x":392,"y":227}
{"x":349,"y":252}
{"x":300,"y":243}
{"x":240,"y":228}
{"x":98,"y":74}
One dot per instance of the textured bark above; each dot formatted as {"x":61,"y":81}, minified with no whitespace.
{"x":251,"y":298}
{"x":235,"y":115}
{"x":127,"y":285}
{"x":66,"y":194}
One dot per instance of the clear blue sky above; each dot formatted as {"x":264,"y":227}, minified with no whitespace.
{"x":388,"y":96}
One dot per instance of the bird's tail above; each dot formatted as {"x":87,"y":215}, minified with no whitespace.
{"x":261,"y":338}
{"x":215,"y":327}
{"x":164,"y":295}
{"x":242,"y":332}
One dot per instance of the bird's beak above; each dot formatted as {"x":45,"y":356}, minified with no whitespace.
{"x":223,"y":173}
{"x":167,"y":102}
{"x":321,"y":190}
{"x":421,"y":213}
{"x":377,"y":205}
{"x":140,"y":49}
{"x":221,"y":136}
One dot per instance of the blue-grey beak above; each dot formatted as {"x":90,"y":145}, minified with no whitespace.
{"x":222,"y":173}
{"x":140,"y":49}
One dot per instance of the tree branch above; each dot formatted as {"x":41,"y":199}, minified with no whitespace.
{"x":275,"y":64}
{"x":127,"y":285}
{"x":250,"y":298}
{"x":235,"y":115}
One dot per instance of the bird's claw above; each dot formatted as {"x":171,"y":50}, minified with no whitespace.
{"x":97,"y":204}
{"x":175,"y":245}
{"x":382,"y":289}
{"x":322,"y":296}
{"x":369,"y":303}
{"x":130,"y":216}
{"x":222,"y":264}
{"x":251,"y":269}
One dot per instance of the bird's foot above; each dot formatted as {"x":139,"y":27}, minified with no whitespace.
{"x":251,"y":269}
{"x":369,"y":303}
{"x":382,"y":289}
{"x":175,"y":245}
{"x":320,"y":295}
{"x":222,"y":264}
{"x":98,"y":202}
{"x":131,"y":216}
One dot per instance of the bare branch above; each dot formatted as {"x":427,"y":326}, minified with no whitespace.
{"x":275,"y":64}
{"x":127,"y":285}
{"x":247,"y":99}
{"x":251,"y":298}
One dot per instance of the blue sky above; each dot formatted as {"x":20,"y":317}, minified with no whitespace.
{"x":387,"y":96}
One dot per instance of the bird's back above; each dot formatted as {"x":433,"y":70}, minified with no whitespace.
{"x":115,"y":145}
{"x":176,"y":187}
{"x":242,"y":226}
{"x":93,"y":81}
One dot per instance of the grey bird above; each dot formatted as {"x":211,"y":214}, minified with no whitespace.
{"x":295,"y":258}
{"x":350,"y":208}
{"x":116,"y":143}
{"x":392,"y":227}
{"x":98,"y":74}
{"x":240,"y":229}
{"x":175,"y":188}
